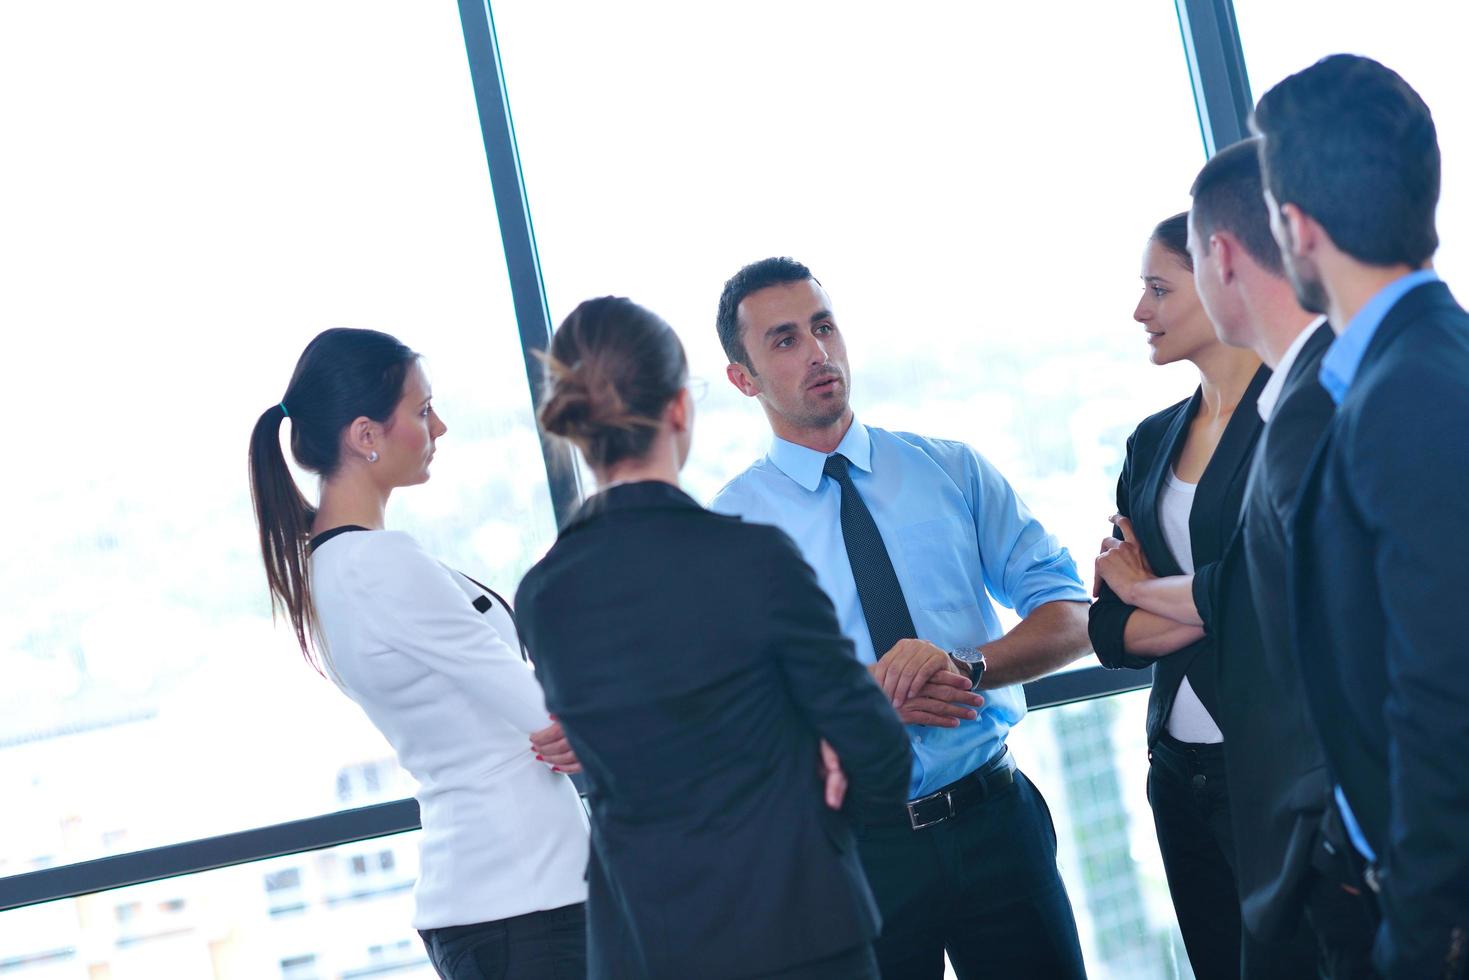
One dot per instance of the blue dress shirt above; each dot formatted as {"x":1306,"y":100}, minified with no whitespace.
{"x":1344,"y":357}
{"x":957,"y":535}
{"x":1338,"y":371}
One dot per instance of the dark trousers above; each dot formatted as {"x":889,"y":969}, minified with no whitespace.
{"x":982,"y":886}
{"x":854,"y":964}
{"x":1190,"y":798}
{"x":549,"y":945}
{"x":1191,"y":814}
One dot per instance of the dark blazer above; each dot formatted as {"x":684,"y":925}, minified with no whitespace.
{"x":1382,"y":532}
{"x":1151,"y":449}
{"x":1278,"y":787}
{"x":694,"y":661}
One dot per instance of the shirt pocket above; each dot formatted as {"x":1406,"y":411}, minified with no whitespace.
{"x":939,"y":557}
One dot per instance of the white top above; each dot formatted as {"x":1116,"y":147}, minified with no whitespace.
{"x":1189,"y":721}
{"x":445,"y":684}
{"x":1270,"y":393}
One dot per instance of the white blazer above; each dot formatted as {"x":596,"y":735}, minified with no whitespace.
{"x":435,"y":663}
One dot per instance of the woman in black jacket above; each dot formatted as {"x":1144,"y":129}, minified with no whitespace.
{"x":696,"y":667}
{"x":1178,"y":504}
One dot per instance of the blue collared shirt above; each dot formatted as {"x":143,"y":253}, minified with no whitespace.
{"x":957,"y":535}
{"x":1344,"y":357}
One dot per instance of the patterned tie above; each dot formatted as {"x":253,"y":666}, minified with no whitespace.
{"x":883,"y":605}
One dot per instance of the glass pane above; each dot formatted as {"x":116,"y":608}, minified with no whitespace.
{"x":1090,"y":761}
{"x":973,"y":186}
{"x":1419,"y":39}
{"x":345,"y":911}
{"x":189,"y":195}
{"x":343,"y":915}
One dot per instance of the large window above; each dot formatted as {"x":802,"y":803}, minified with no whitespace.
{"x":190,"y":192}
{"x":974,"y":185}
{"x":1419,"y":39}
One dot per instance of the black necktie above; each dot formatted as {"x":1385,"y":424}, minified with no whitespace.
{"x":883,"y":605}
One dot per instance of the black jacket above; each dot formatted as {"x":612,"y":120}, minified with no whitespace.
{"x":1151,"y":450}
{"x":1278,"y":787}
{"x":1382,"y":534}
{"x":694,"y":662}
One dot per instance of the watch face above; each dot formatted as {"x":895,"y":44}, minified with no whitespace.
{"x":968,"y":654}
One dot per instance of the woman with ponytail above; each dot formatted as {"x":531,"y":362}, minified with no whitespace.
{"x":432,"y":657}
{"x":702,"y":679}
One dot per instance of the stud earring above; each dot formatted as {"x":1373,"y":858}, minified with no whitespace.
{"x":372,"y":456}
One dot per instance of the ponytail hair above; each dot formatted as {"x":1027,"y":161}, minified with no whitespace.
{"x":613,"y":367}
{"x":342,"y":375}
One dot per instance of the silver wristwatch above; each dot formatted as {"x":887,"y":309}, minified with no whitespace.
{"x":974,"y":657}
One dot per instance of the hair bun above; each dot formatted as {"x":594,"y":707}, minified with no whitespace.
{"x":582,"y":402}
{"x":612,"y":369}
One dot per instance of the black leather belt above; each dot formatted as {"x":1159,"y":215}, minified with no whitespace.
{"x":950,"y":801}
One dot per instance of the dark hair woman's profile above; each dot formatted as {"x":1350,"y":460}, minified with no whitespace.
{"x":702,"y":679}
{"x":432,"y":657}
{"x":1178,"y":506}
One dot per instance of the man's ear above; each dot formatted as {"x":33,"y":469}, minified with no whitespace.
{"x":1226,"y":253}
{"x":1305,"y":234}
{"x":743,"y":378}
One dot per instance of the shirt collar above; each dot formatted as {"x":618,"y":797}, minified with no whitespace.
{"x":1339,"y":366}
{"x":1270,"y":394}
{"x":805,"y":466}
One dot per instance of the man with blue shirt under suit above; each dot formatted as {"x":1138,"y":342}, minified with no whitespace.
{"x":1352,"y":171}
{"x":910,"y":537}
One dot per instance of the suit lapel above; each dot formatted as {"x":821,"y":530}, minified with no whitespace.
{"x":1234,"y":452}
{"x":1307,"y":360}
{"x":1145,"y":520}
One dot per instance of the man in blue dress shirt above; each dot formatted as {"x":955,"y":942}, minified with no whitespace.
{"x":911,"y":537}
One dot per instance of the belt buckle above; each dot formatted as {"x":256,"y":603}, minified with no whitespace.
{"x":915,"y":823}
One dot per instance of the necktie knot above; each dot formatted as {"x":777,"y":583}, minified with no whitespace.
{"x":836,"y":467}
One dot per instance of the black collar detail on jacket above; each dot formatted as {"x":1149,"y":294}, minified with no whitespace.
{"x":643,"y":495}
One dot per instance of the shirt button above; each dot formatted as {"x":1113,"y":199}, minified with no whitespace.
{"x":1200,"y":781}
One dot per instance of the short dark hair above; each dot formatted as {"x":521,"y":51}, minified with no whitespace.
{"x":776,"y":271}
{"x":1172,"y":234}
{"x":1352,"y":145}
{"x":1229,"y":195}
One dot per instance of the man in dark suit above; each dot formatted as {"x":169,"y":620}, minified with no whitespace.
{"x":1276,"y":769}
{"x":1351,"y":164}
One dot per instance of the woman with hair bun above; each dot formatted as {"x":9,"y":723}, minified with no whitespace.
{"x":704,"y":684}
{"x":432,"y":657}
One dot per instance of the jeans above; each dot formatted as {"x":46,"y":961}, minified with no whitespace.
{"x":549,"y":945}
